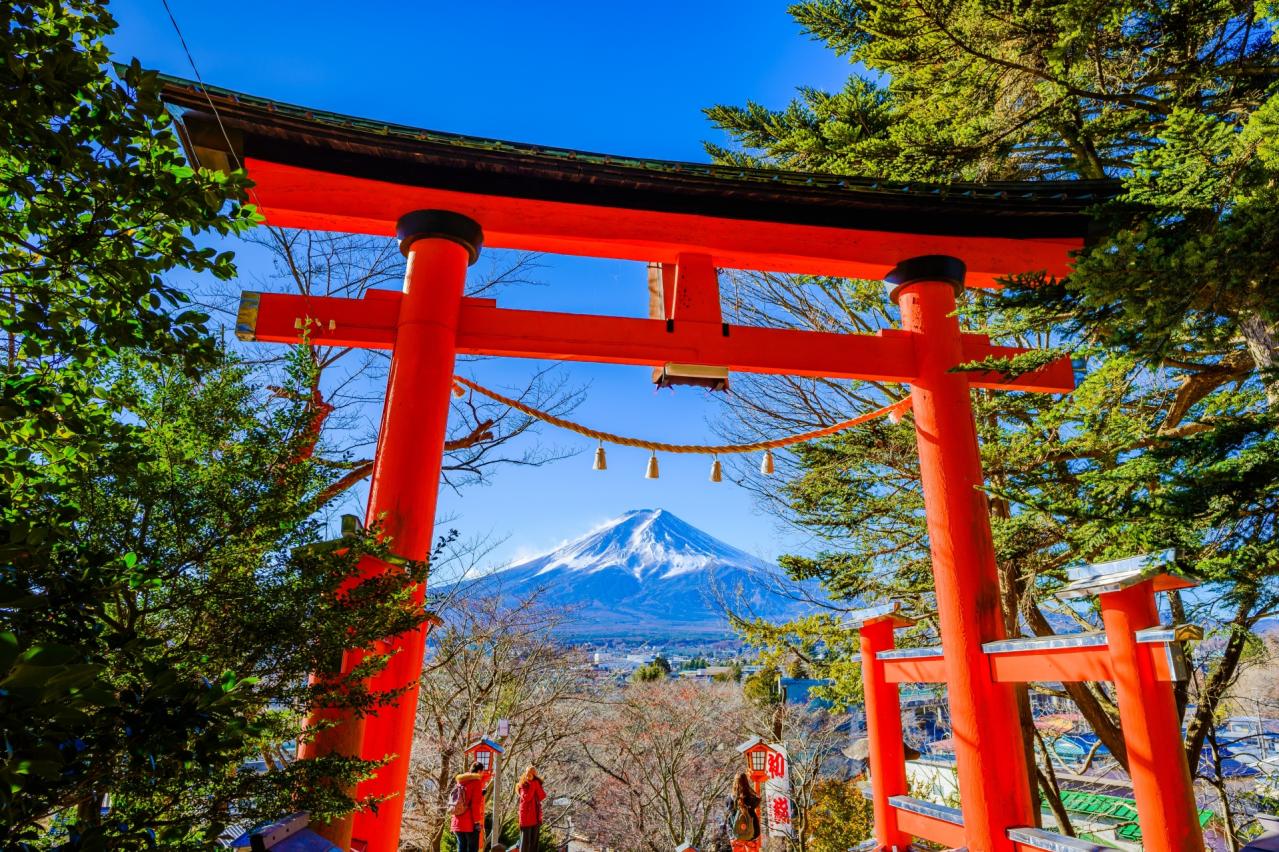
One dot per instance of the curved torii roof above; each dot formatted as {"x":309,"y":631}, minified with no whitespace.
{"x":323,"y":171}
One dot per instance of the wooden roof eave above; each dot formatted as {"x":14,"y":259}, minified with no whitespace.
{"x":267,"y":135}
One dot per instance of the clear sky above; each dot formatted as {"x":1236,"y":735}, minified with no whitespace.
{"x":621,"y":78}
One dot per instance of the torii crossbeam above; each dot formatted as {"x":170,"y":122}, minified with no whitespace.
{"x":444,"y":195}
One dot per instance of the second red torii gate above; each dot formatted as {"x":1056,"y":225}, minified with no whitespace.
{"x":443,"y":196}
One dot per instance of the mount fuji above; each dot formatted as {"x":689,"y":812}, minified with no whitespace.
{"x":648,"y":574}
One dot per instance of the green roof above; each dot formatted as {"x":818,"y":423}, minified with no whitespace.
{"x":1113,"y":807}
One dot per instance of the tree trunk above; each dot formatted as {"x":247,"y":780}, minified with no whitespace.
{"x":1218,"y":682}
{"x":88,"y":814}
{"x":1011,"y":591}
{"x":1053,"y":795}
{"x":1180,"y":689}
{"x":1103,"y":725}
{"x":1264,"y":349}
{"x":1219,"y":784}
{"x":443,"y":789}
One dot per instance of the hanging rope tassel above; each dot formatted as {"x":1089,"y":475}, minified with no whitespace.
{"x":601,"y":461}
{"x":766,"y":466}
{"x":895,"y":409}
{"x":717,"y":471}
{"x":651,"y":472}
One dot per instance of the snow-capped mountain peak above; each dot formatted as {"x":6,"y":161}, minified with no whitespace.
{"x":646,"y":574}
{"x":645,"y":543}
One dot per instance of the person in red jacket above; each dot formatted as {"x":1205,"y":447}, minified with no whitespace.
{"x":466,"y":801}
{"x":531,"y":796}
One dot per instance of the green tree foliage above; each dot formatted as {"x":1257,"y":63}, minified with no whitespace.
{"x":509,"y":837}
{"x":208,"y":605}
{"x":761,"y":687}
{"x":155,"y":632}
{"x":840,"y":816}
{"x":1170,"y":438}
{"x":650,"y":672}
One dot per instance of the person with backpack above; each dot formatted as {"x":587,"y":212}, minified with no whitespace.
{"x":744,"y":809}
{"x":531,"y":794}
{"x":466,"y":806}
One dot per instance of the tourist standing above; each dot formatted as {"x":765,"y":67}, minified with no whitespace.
{"x":744,"y":809}
{"x":531,"y":796}
{"x":466,"y":804}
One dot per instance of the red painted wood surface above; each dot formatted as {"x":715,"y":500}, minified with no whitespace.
{"x":402,"y":497}
{"x":485,"y":329}
{"x":696,"y":290}
{"x":887,"y":758}
{"x":1074,"y":664}
{"x":990,"y":761}
{"x":427,"y":338}
{"x":926,"y":670}
{"x":1161,"y":786}
{"x":930,"y":828}
{"x":294,"y":197}
{"x":1041,"y":665}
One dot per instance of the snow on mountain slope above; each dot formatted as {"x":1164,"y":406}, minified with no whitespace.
{"x":647,"y":573}
{"x":646,"y":543}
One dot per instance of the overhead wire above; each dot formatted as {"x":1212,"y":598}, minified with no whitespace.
{"x":204,"y":90}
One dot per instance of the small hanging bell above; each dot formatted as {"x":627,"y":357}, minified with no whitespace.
{"x":458,"y":390}
{"x":717,"y":472}
{"x":651,"y":472}
{"x":766,"y":466}
{"x":895,"y":416}
{"x":601,"y":461}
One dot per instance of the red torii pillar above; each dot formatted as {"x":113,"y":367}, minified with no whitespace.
{"x":994,"y":785}
{"x":886,"y":753}
{"x":438,"y":246}
{"x":403,"y":491}
{"x":1161,"y":781}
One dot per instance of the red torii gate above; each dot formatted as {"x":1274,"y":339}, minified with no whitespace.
{"x":444,"y":195}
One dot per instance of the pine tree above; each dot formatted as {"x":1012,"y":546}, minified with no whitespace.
{"x":1170,"y":438}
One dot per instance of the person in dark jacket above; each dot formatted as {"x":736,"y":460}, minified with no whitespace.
{"x":466,"y":825}
{"x":531,"y":796}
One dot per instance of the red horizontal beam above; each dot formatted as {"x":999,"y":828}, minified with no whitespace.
{"x":485,"y":329}
{"x":1059,"y":665}
{"x":915,"y":670}
{"x":1037,"y":665}
{"x":930,"y":828}
{"x":295,"y":197}
{"x":620,"y":340}
{"x":1053,"y":665}
{"x":367,"y":323}
{"x":1054,"y":377}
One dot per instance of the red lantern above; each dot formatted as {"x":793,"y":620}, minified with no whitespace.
{"x":485,"y":752}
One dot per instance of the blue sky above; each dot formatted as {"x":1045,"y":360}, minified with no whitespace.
{"x":621,"y":78}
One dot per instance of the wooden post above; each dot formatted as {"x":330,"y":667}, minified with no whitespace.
{"x":439,"y":247}
{"x":887,"y":758}
{"x":1161,"y":785}
{"x":994,"y":786}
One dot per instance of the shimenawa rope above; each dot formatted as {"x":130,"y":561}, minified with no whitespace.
{"x":896,"y":408}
